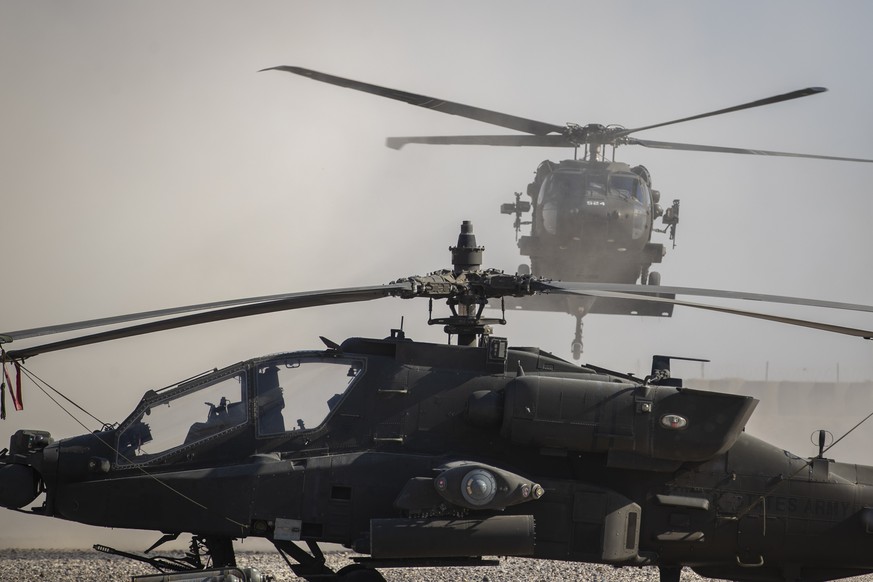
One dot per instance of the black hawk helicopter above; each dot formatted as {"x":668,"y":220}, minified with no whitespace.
{"x":418,"y":454}
{"x":592,"y":219}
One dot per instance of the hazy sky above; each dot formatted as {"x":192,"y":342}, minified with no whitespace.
{"x":145,"y":163}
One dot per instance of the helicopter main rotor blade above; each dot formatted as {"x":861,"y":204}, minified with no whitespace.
{"x":648,"y":290}
{"x":851,"y":331}
{"x":491,"y":140}
{"x":468,"y":111}
{"x":667,"y":145}
{"x":10,"y":336}
{"x":759,"y":103}
{"x":284,"y":303}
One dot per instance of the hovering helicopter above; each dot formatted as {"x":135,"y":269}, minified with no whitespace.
{"x":418,"y":454}
{"x":592,"y":219}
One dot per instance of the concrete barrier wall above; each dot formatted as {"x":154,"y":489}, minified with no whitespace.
{"x":790,"y":413}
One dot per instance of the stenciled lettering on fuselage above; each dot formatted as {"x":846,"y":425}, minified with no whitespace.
{"x":740,"y":503}
{"x":808,"y":507}
{"x":795,"y":507}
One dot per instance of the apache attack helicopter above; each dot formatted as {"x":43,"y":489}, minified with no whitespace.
{"x":418,"y":454}
{"x":592,"y":219}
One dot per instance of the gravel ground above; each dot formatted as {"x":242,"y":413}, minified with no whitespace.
{"x":91,"y":566}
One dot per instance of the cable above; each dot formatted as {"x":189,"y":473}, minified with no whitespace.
{"x":826,"y":449}
{"x":37,"y":381}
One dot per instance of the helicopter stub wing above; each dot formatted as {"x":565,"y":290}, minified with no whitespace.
{"x":659,"y":300}
{"x":672,"y":291}
{"x":586,"y":305}
{"x":844,"y":330}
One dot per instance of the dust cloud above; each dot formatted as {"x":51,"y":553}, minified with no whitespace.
{"x":145,"y":163}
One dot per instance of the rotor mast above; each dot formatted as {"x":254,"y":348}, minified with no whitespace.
{"x":466,"y":289}
{"x":466,"y":307}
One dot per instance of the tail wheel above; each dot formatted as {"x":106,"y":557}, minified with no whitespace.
{"x":654,"y":278}
{"x":576,"y":348}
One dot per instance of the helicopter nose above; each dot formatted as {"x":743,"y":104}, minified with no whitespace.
{"x":19,"y":485}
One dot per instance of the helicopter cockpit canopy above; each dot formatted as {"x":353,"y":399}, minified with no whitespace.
{"x":297,"y":393}
{"x":569,"y":199}
{"x":630,"y":186}
{"x":291,"y":393}
{"x":183,"y":417}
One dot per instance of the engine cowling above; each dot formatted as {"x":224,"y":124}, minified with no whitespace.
{"x":594,"y":416}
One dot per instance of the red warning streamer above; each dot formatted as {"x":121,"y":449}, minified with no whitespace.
{"x":16,"y":399}
{"x":16,"y":393}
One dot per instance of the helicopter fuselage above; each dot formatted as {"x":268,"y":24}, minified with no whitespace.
{"x":547,"y":460}
{"x":591,"y":221}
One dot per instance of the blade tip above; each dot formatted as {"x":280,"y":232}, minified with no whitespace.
{"x":395,"y":143}
{"x":285,"y":68}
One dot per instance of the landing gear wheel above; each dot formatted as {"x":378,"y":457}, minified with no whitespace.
{"x":669,"y":573}
{"x":221,"y":552}
{"x":358,"y":573}
{"x":654,"y":278}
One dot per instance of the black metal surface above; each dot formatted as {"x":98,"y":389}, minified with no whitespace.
{"x":154,"y":314}
{"x":283,"y":303}
{"x":546,"y":141}
{"x":667,"y":145}
{"x":757,"y":103}
{"x":441,"y":105}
